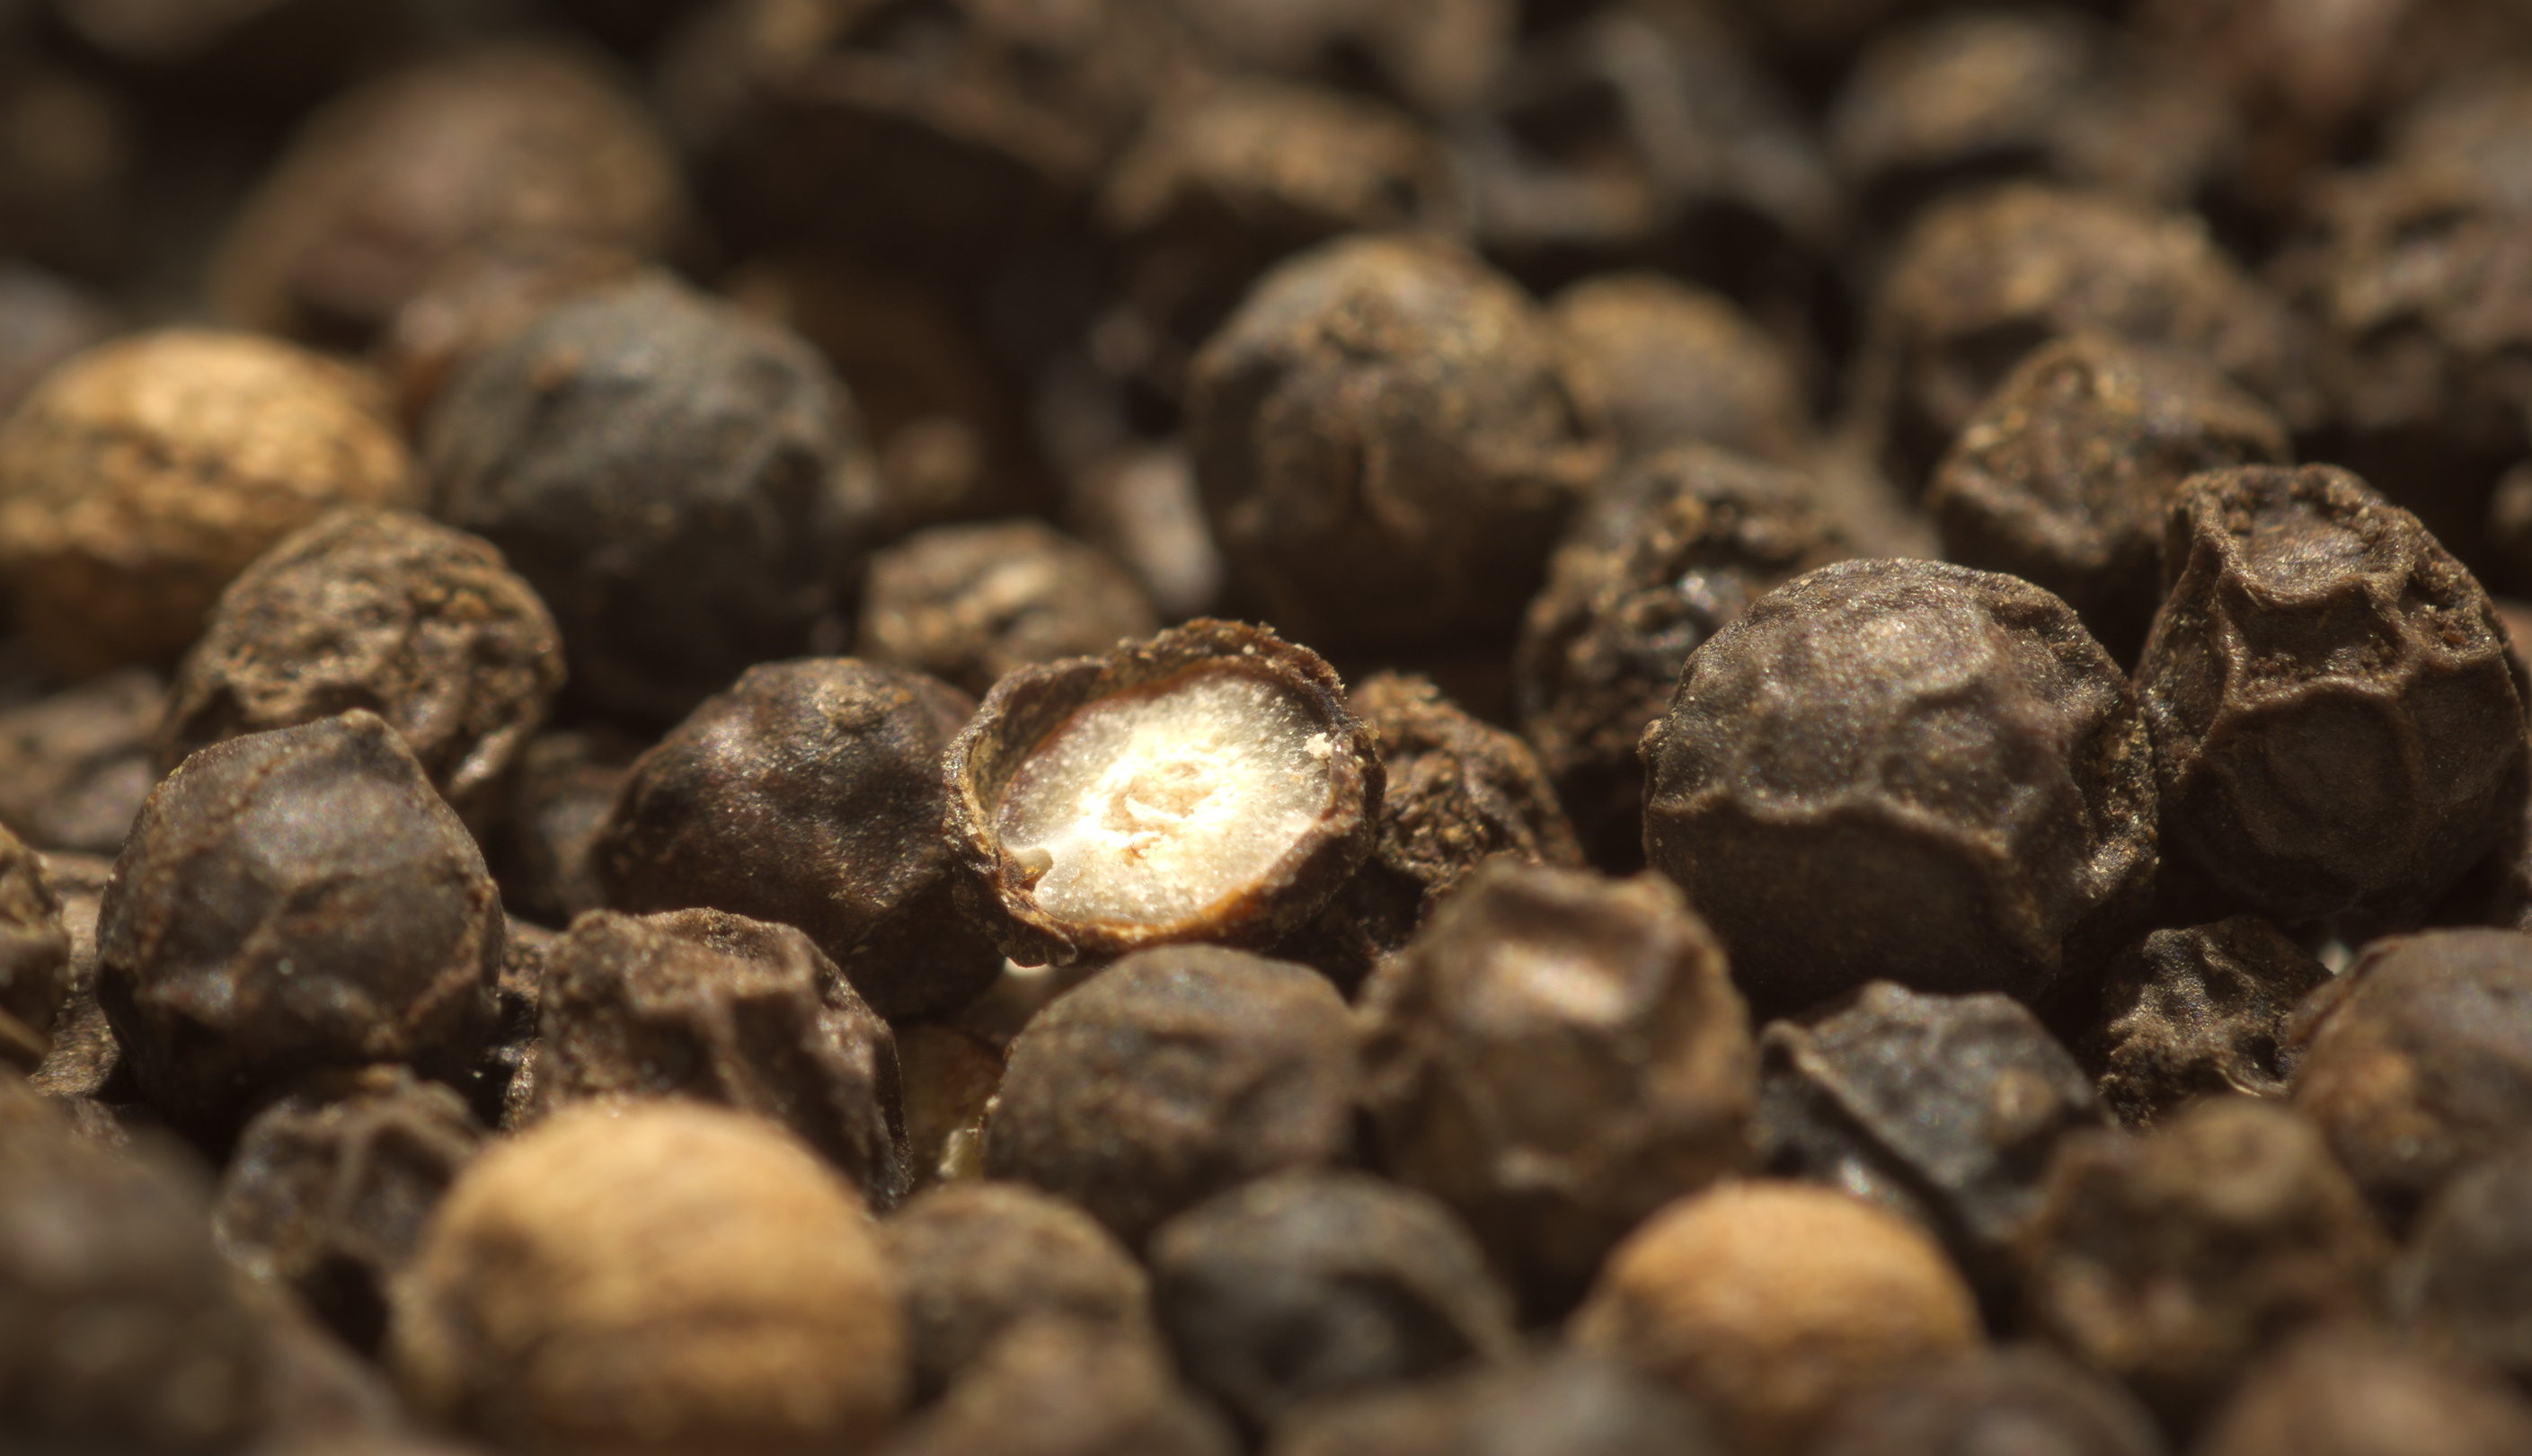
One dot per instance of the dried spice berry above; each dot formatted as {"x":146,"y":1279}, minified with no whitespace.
{"x":1170,"y":1076}
{"x":1772,"y":1304}
{"x":1051,"y":1387}
{"x":291,"y":900}
{"x":35,"y":957}
{"x":977,"y":1260}
{"x":2358,"y":1393}
{"x":950,"y":1077}
{"x":381,"y":610}
{"x":478,"y":299}
{"x":2018,"y":1398}
{"x":330,"y":1187}
{"x":1385,"y":443}
{"x":2417,"y":1060}
{"x":543,"y":847}
{"x":969,"y":603}
{"x":75,"y":764}
{"x":809,"y":794}
{"x":1307,"y":1285}
{"x":2465,"y":1284}
{"x":2198,"y":1012}
{"x":2172,"y":1261}
{"x":1207,"y":784}
{"x":662,"y":1277}
{"x":719,"y":1008}
{"x":141,"y":476}
{"x":1667,"y":364}
{"x":1942,"y":1110}
{"x":1569,"y":1402}
{"x":2335,"y":721}
{"x":391,"y":180}
{"x":1555,"y":1057}
{"x":2063,"y":476}
{"x":681,"y":484}
{"x":1663,"y":555}
{"x":1904,"y":770}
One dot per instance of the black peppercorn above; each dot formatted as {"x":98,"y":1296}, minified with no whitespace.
{"x":1907,"y":771}
{"x":75,"y":764}
{"x":1666,"y":364}
{"x":1170,"y":1076}
{"x":809,"y":794}
{"x":2197,"y":1012}
{"x":477,"y":300}
{"x":2465,"y":1284}
{"x":543,"y":846}
{"x":1569,"y":1402}
{"x":2023,"y":1398}
{"x":2357,"y":1394}
{"x":969,"y":604}
{"x":1055,"y":1387}
{"x":35,"y":957}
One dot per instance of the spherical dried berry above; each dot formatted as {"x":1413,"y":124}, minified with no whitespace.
{"x":662,"y":1277}
{"x":969,"y":603}
{"x":75,"y":764}
{"x":1772,"y":1303}
{"x":381,"y":610}
{"x":2198,"y":1012}
{"x":478,"y":299}
{"x":810,"y":793}
{"x":34,"y":956}
{"x":1907,"y":771}
{"x":1556,"y":1056}
{"x":2356,"y":1393}
{"x":1569,"y":1402}
{"x":1170,"y":1076}
{"x":1208,"y":784}
{"x":1385,"y":443}
{"x":1054,"y":1387}
{"x":681,"y":485}
{"x":292,"y":900}
{"x":144,"y":473}
{"x":2335,"y":721}
{"x":2019,"y":1398}
{"x":1666,"y":364}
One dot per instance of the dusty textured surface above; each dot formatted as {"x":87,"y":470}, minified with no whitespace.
{"x":969,"y":604}
{"x":2196,"y":1012}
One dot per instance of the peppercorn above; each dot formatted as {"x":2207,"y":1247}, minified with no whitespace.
{"x":2335,"y":724}
{"x":143,"y":474}
{"x":1667,"y":364}
{"x":2465,"y":1284}
{"x":1206,"y":784}
{"x":543,"y":847}
{"x":1052,"y":1387}
{"x":1140,"y":505}
{"x":719,"y":1008}
{"x":381,"y":610}
{"x":1941,"y":1109}
{"x":35,"y":957}
{"x":978,"y":1261}
{"x":43,"y":320}
{"x":291,"y":900}
{"x":1308,"y":1284}
{"x":1569,"y":1402}
{"x":390,"y":181}
{"x":810,"y":793}
{"x":2063,"y":476}
{"x":2017,"y":1398}
{"x":969,"y":604}
{"x":76,"y":763}
{"x":330,"y":1187}
{"x":678,"y":482}
{"x":2171,"y":1260}
{"x":478,"y":297}
{"x":1666,"y":553}
{"x":1555,"y":1056}
{"x":1385,"y":444}
{"x":950,"y":1076}
{"x":1173,"y":1075}
{"x":84,"y":1062}
{"x":2357,"y":1394}
{"x":1904,"y":770}
{"x":2198,"y":1012}
{"x":2417,"y":1060}
{"x":1774,"y":1302}
{"x":1436,"y":58}
{"x":664,"y":1277}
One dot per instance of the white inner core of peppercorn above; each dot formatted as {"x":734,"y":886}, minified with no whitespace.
{"x":1151,"y":807}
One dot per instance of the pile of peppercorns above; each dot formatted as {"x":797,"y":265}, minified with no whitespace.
{"x":1303,"y":727}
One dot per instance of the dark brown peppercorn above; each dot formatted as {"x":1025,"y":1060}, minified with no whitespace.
{"x":1385,"y":443}
{"x":1666,"y":553}
{"x":1905,"y":770}
{"x":1140,"y":505}
{"x":718,"y":1008}
{"x":1556,"y":1056}
{"x":2417,"y":1060}
{"x":1207,"y":784}
{"x":2465,"y":1282}
{"x":1666,"y":364}
{"x":75,"y":764}
{"x":35,"y":957}
{"x":85,"y":1061}
{"x":977,"y":1260}
{"x":1942,"y":1110}
{"x":1570,"y":1403}
{"x":1052,"y":1387}
{"x":2198,"y":1012}
{"x":2335,"y":721}
{"x":2357,"y":1394}
{"x":969,"y":604}
{"x":381,"y":610}
{"x":2063,"y":476}
{"x":2171,"y":1260}
{"x":543,"y":847}
{"x":809,"y":795}
{"x":1170,"y":1076}
{"x":1307,"y":1285}
{"x":292,"y":900}
{"x":681,"y":485}
{"x":330,"y":1187}
{"x":2022,"y":1398}
{"x":478,"y":299}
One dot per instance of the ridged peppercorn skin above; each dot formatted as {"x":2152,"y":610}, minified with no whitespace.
{"x":1385,"y":445}
{"x":1904,"y":770}
{"x":2334,"y":722}
{"x":292,"y":900}
{"x":35,"y":957}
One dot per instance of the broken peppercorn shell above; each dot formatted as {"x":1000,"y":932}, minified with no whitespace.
{"x":1207,"y":784}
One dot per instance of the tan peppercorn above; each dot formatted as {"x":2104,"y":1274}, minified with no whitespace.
{"x":141,"y":476}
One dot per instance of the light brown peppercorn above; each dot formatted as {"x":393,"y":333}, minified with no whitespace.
{"x":1773,"y":1303}
{"x":35,"y":957}
{"x":659,"y":1278}
{"x":969,"y":603}
{"x":141,"y":476}
{"x":2353,"y":1392}
{"x":2197,"y":1012}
